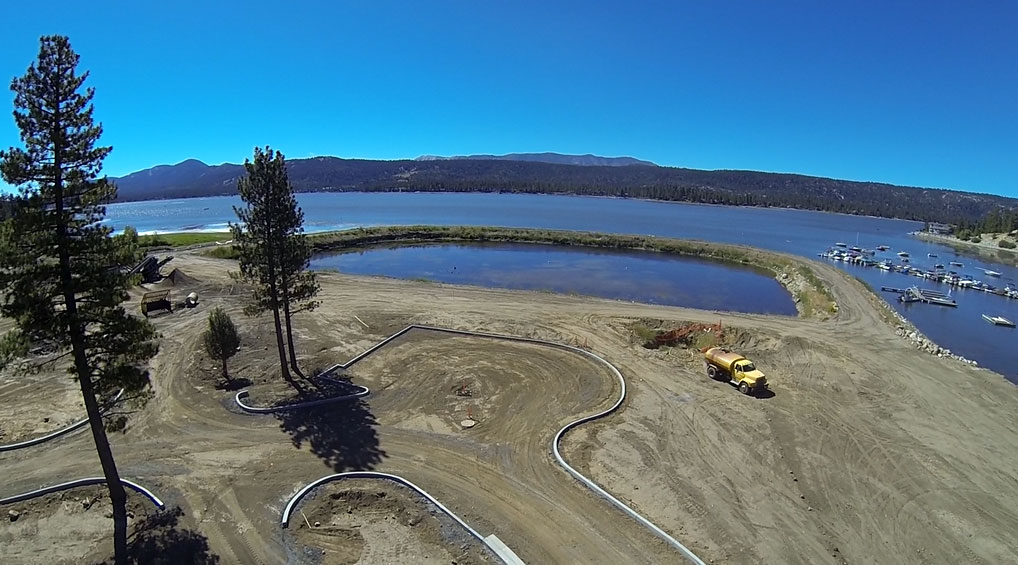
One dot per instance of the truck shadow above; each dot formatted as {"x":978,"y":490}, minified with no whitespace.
{"x":766,"y":393}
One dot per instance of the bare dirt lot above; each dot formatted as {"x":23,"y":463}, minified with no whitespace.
{"x":868,"y":451}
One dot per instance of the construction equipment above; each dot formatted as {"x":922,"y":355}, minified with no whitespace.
{"x":724,"y":364}
{"x":149,"y":268}
{"x":156,"y":300}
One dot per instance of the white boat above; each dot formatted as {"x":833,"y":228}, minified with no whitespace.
{"x":957,"y":264}
{"x":840,"y":244}
{"x":999,"y":321}
{"x":990,"y":273}
{"x":882,"y":248}
{"x":903,"y":254}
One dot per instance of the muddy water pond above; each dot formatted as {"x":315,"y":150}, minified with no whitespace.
{"x":645,"y":277}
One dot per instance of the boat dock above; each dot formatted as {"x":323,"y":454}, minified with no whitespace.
{"x":916,"y":294}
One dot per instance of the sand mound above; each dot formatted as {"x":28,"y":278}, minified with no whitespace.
{"x":179,"y":278}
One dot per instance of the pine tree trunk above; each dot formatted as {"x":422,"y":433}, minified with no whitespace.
{"x":118,"y":496}
{"x":289,"y":333}
{"x":226,"y":374}
{"x":76,"y":331}
{"x":279,"y":333}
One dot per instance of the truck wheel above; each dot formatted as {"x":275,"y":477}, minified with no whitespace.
{"x":744,"y":388}
{"x":712,"y":372}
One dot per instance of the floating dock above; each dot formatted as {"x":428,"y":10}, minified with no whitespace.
{"x":999,"y":321}
{"x":916,"y":294}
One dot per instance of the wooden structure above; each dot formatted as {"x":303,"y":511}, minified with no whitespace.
{"x":156,"y":300}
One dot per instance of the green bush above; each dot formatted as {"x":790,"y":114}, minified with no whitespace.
{"x":222,"y":252}
{"x":1006,"y":244}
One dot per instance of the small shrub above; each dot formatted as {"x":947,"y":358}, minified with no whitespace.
{"x":1006,"y":244}
{"x":222,"y":252}
{"x":221,"y":339}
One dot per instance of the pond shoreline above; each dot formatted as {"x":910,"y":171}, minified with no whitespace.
{"x":811,"y":296}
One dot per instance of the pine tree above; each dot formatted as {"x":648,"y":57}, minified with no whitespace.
{"x":61,"y":280}
{"x":299,"y":285}
{"x":260,"y":237}
{"x":221,"y":339}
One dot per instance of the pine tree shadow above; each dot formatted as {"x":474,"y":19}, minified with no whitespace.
{"x":159,"y":540}
{"x":341,"y":433}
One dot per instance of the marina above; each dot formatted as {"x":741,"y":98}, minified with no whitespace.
{"x":937,"y":273}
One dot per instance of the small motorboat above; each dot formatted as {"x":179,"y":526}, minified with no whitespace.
{"x":903,"y":254}
{"x":990,"y":273}
{"x":957,"y":264}
{"x":882,"y":248}
{"x":999,"y":321}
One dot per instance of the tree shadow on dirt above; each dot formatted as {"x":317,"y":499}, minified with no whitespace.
{"x":341,"y":433}
{"x":160,"y":540}
{"x":233,"y":384}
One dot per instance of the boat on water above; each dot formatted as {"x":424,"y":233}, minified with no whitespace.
{"x":931,"y":254}
{"x":840,"y":244}
{"x":882,"y":248}
{"x":957,"y":264}
{"x":990,"y":273}
{"x":999,"y":321}
{"x":856,"y":248}
{"x":903,"y":254}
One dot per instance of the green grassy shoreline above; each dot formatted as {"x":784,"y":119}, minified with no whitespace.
{"x":811,"y":295}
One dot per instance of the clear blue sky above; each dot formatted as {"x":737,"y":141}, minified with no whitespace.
{"x":921,"y":93}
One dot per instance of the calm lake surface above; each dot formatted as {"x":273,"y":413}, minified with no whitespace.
{"x":804,"y":233}
{"x":636,"y":276}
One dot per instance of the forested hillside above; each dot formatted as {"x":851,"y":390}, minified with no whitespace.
{"x":748,"y":188}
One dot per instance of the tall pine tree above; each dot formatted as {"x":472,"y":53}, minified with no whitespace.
{"x":274,"y":251}
{"x":260,"y":237}
{"x":61,"y":281}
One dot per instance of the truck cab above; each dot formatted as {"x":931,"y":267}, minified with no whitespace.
{"x":740,"y":371}
{"x":745,"y":373}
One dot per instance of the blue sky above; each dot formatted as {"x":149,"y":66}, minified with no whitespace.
{"x":921,"y":93}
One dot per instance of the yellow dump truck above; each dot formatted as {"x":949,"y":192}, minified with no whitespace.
{"x":724,"y":364}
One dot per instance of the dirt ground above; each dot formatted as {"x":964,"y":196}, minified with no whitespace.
{"x":366,"y":521}
{"x":70,"y":522}
{"x":868,"y":450}
{"x":37,"y":403}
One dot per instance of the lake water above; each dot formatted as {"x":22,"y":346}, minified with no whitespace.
{"x":799,"y":232}
{"x":652,"y":278}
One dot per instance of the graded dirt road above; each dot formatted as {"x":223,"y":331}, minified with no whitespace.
{"x":868,"y":451}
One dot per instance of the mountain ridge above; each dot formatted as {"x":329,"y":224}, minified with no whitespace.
{"x":585,"y":160}
{"x":192,"y":178}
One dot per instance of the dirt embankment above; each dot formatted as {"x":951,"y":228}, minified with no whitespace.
{"x":868,"y":451}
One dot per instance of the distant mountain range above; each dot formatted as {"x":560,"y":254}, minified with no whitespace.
{"x":551,"y":173}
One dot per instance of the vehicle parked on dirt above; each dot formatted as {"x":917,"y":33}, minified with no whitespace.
{"x":723,"y":364}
